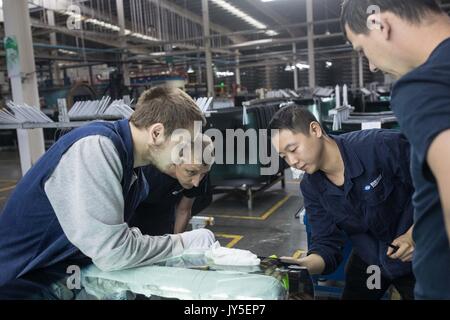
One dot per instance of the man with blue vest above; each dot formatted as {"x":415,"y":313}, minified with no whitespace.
{"x":75,"y":202}
{"x":356,"y":185}
{"x":410,"y":40}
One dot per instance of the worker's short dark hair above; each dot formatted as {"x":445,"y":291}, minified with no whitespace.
{"x":354,"y":12}
{"x":294,"y":118}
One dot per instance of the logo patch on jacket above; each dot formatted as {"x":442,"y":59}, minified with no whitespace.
{"x":373,"y":184}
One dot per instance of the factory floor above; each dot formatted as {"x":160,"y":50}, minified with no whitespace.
{"x":270,"y":228}
{"x":9,"y":174}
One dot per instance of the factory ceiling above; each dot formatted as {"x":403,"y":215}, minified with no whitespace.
{"x":158,"y":31}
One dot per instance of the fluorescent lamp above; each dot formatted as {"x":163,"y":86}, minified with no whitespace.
{"x":251,"y":43}
{"x":224,"y":74}
{"x":302,"y":66}
{"x":158,"y":54}
{"x":289,"y":67}
{"x":67,"y":52}
{"x":239,"y":13}
{"x":271,"y":33}
{"x":110,"y":26}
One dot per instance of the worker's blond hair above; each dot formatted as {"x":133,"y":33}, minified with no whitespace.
{"x":170,"y":106}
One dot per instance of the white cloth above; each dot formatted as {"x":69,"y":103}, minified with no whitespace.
{"x":197,"y":239}
{"x":231,"y":257}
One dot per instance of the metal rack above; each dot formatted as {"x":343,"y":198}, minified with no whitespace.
{"x":56,"y":125}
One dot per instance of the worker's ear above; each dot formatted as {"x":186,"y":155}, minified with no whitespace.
{"x":315,"y":129}
{"x":156,"y":134}
{"x":380,"y":23}
{"x":385,"y":26}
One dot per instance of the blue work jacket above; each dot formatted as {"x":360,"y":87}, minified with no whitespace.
{"x":372,"y":208}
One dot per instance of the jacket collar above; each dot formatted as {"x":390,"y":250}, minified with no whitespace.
{"x":353,"y":169}
{"x":124,"y":130}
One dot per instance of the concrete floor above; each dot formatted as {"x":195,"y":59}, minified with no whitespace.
{"x":270,"y":228}
{"x":9,"y":174}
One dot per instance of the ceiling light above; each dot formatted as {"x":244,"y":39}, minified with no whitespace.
{"x":190,"y":70}
{"x":110,"y":26}
{"x":143,"y":36}
{"x":288,"y":67}
{"x":251,"y":43}
{"x":271,"y":33}
{"x":302,"y":66}
{"x":239,"y":13}
{"x":224,"y":74}
{"x":158,"y":54}
{"x":67,"y":52}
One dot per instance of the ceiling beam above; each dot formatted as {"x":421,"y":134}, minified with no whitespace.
{"x":270,"y":42}
{"x":111,"y":41}
{"x":253,"y":31}
{"x":102,"y":38}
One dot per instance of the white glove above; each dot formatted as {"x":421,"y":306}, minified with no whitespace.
{"x":231,"y":257}
{"x":197,"y":239}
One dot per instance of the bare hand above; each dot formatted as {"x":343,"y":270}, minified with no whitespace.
{"x":291,"y":260}
{"x":405,"y":246}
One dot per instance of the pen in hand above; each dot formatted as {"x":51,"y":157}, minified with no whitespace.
{"x":394,"y":247}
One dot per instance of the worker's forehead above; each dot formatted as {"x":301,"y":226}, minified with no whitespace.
{"x":285,"y":136}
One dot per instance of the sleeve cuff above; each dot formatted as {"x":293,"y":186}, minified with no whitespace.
{"x":330,"y":263}
{"x":177,"y":245}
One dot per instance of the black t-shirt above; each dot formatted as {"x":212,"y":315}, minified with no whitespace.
{"x":165,"y":189}
{"x":156,"y":215}
{"x":421,"y":102}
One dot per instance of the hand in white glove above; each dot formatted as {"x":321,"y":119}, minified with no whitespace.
{"x":197,"y":239}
